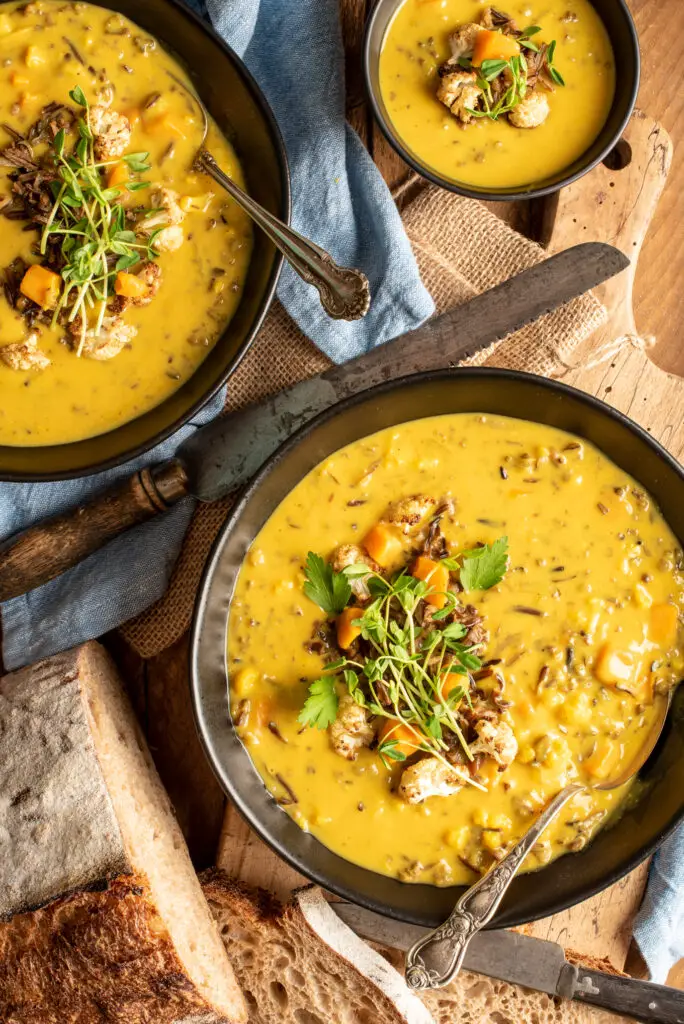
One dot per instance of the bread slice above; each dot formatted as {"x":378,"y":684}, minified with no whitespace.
{"x":104,"y":918}
{"x":300,"y":964}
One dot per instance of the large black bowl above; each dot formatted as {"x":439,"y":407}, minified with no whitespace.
{"x":623,"y":37}
{"x":572,"y":878}
{"x":238,"y":106}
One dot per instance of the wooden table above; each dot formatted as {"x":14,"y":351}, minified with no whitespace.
{"x":159,"y":688}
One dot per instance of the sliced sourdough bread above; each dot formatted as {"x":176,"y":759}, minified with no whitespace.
{"x":300,"y":964}
{"x":103,"y":916}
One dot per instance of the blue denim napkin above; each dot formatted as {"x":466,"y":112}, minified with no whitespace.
{"x":659,"y":926}
{"x":294,"y":50}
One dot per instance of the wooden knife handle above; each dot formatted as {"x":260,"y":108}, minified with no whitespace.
{"x":46,"y":550}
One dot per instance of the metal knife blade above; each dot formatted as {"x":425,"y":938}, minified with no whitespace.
{"x":227,"y":452}
{"x":533,"y":963}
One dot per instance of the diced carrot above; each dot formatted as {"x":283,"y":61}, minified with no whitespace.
{"x":41,"y":285}
{"x":663,"y":624}
{"x":164,"y":125}
{"x":436,"y":575}
{"x":488,"y":772}
{"x":347,"y":631}
{"x":261,"y":713}
{"x":601,"y":761}
{"x":493,"y":46}
{"x":130,"y":286}
{"x":407,"y":739}
{"x":450,"y":681}
{"x":133,"y":115}
{"x":384,"y":544}
{"x":18,"y":80}
{"x":118,"y":174}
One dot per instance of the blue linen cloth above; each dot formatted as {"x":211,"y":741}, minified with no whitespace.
{"x":659,"y":926}
{"x":294,"y":49}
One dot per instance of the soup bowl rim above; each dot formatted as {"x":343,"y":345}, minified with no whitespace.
{"x":229,"y":758}
{"x":500,"y":194}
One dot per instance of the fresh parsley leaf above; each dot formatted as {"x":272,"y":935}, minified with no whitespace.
{"x":328,"y":589}
{"x":487,"y":567}
{"x":320,"y":707}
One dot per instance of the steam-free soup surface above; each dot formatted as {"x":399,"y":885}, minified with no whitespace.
{"x":47,"y":48}
{"x":584,"y":630}
{"x":496,"y":154}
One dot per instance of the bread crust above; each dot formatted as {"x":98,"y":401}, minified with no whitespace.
{"x":94,"y":957}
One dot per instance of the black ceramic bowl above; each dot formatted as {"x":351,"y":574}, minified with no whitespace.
{"x":566,"y":881}
{"x":622,"y":32}
{"x":238,"y":106}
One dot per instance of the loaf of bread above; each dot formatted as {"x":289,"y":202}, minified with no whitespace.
{"x":300,"y":964}
{"x":103,"y":918}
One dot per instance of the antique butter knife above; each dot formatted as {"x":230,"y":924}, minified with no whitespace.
{"x":534,"y":963}
{"x":227,"y":452}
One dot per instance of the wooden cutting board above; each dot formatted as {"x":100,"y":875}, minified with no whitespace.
{"x":614,"y":204}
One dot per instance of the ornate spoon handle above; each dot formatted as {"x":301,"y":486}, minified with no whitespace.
{"x":435,"y":959}
{"x":344,"y":292}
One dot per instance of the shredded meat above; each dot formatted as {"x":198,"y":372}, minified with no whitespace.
{"x":25,"y":355}
{"x":351,"y":730}
{"x":469,"y":617}
{"x":430,"y":777}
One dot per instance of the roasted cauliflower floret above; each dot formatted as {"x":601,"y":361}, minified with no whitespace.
{"x":458,"y":90}
{"x":462,"y":42}
{"x":167,"y":210}
{"x":350,"y":554}
{"x":496,"y":740}
{"x":430,"y":777}
{"x":531,"y":112}
{"x":151,"y":276}
{"x":25,"y":355}
{"x":351,"y":730}
{"x":113,"y":335}
{"x":410,"y":512}
{"x":112,"y":132}
{"x":169,"y":239}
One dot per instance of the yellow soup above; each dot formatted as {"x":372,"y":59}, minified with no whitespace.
{"x":484,"y":152}
{"x":47,"y":49}
{"x":582,"y":633}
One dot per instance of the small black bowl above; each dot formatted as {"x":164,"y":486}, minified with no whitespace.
{"x":568,"y":880}
{"x":623,"y":37}
{"x":238,"y":106}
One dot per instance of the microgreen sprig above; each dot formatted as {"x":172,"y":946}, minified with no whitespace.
{"x":90,"y":224}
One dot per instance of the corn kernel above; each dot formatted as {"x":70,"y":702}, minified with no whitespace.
{"x":491,"y":840}
{"x":244,"y":682}
{"x":5,"y":25}
{"x":33,"y":58}
{"x":18,"y":80}
{"x":642,"y":596}
{"x":456,"y":838}
{"x":501,"y":821}
{"x":526,"y":754}
{"x":480,"y":817}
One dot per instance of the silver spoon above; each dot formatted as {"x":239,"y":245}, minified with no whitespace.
{"x":344,"y":292}
{"x":436,"y":959}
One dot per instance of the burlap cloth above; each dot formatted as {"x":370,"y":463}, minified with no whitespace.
{"x":462,"y":249}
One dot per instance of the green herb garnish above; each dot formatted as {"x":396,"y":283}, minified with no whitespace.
{"x":90,"y":225}
{"x":320,"y":707}
{"x":328,"y":589}
{"x":481,"y":568}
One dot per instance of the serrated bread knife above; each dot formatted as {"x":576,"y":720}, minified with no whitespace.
{"x":227,"y":452}
{"x":534,"y":963}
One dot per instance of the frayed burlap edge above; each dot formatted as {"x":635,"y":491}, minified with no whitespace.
{"x":462,"y":249}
